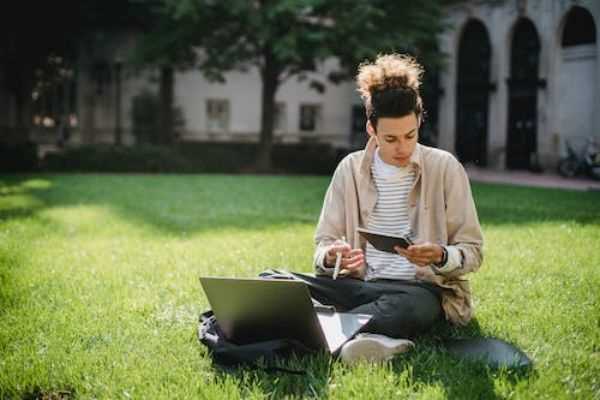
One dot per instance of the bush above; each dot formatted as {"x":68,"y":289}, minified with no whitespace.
{"x":145,"y":114}
{"x":219,"y":157}
{"x":18,"y":157}
{"x":305,"y":158}
{"x":108,"y":158}
{"x":193,"y":157}
{"x":301,"y":158}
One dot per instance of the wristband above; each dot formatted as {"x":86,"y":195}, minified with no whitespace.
{"x":444,"y":259}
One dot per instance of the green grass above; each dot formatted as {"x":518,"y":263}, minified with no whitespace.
{"x":99,"y":291}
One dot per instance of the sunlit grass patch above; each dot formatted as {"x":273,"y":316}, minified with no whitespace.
{"x":99,"y":290}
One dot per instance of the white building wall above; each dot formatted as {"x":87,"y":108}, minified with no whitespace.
{"x":96,"y":111}
{"x":191,"y":92}
{"x":498,"y":122}
{"x":336,"y":102}
{"x":448,"y":43}
{"x":133,"y":83}
{"x":243,"y":90}
{"x":577,"y":97}
{"x":491,"y":16}
{"x":568,"y":105}
{"x":575,"y":80}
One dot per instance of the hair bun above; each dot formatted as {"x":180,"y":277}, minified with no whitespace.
{"x":390,"y":71}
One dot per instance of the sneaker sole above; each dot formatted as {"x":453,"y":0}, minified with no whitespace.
{"x":373,"y":350}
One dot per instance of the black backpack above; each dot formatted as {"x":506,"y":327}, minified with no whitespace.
{"x":260,"y":355}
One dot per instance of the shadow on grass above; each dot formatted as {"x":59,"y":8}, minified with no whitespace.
{"x":21,"y":197}
{"x":503,"y":204}
{"x":312,"y":382}
{"x":39,"y":394}
{"x":172,"y":203}
{"x":432,"y":365}
{"x":176,"y":204}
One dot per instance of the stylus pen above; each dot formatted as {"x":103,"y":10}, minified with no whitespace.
{"x":338,"y":261}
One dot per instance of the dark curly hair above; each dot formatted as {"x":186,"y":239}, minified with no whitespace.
{"x":389,"y":87}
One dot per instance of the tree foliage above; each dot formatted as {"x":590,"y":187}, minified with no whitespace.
{"x":40,"y":40}
{"x":282,"y":39}
{"x":236,"y":34}
{"x":288,"y":38}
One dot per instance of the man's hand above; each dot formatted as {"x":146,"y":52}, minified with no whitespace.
{"x":425,"y":274}
{"x":422,"y":254}
{"x":352,"y":261}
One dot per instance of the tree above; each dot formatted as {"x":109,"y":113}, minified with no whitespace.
{"x":164,"y":44}
{"x":40,"y":40}
{"x":25,"y":56}
{"x":287,"y":38}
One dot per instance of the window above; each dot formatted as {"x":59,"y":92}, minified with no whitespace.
{"x":280,"y":119}
{"x":217,"y":115}
{"x":310,"y":117}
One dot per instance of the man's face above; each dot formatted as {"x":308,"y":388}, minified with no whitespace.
{"x":396,"y":138}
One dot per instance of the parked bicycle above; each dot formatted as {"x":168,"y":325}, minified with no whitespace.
{"x":581,"y":160}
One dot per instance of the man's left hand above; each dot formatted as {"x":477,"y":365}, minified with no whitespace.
{"x":422,"y":254}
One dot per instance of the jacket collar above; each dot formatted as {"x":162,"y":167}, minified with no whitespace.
{"x":369,"y":153}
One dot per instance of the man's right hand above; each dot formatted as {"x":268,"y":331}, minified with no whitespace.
{"x":352,"y":262}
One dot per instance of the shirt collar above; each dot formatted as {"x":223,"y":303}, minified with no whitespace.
{"x":369,"y":154}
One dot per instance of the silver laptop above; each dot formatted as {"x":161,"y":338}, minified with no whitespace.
{"x":255,"y":309}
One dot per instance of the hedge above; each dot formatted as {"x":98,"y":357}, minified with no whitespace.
{"x":193,"y":157}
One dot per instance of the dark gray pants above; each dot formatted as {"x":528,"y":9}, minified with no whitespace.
{"x":400,"y":309}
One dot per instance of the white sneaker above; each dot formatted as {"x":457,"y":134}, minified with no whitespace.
{"x":373,"y":347}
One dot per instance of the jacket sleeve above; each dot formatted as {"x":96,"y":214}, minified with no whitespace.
{"x":464,"y":232}
{"x":331,"y":224}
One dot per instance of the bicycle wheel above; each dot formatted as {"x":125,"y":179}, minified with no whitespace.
{"x":567,"y":167}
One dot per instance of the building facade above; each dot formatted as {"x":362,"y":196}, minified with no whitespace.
{"x":520,"y":78}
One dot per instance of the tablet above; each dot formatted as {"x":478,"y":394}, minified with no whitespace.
{"x":384,"y":241}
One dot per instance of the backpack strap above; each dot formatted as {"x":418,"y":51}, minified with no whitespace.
{"x":227,"y":354}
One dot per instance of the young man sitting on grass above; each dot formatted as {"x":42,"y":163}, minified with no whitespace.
{"x":397,"y":186}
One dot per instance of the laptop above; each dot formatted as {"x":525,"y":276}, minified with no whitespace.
{"x":254,"y":309}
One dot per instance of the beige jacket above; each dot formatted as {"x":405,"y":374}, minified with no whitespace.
{"x":441,"y":210}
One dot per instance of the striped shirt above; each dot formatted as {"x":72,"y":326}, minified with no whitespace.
{"x":390,"y":215}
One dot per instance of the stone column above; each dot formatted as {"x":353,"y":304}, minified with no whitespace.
{"x":447,"y":105}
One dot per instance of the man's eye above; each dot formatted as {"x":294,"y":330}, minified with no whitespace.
{"x":389,"y":140}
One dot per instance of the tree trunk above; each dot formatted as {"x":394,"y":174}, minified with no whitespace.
{"x":270,"y":83}
{"x":167,"y":81}
{"x":118,"y":129}
{"x":23,"y":111}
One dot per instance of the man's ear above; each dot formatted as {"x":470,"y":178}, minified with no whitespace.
{"x":370,"y":129}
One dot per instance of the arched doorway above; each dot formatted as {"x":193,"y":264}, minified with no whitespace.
{"x":577,"y":78}
{"x":472,"y":94}
{"x":580,"y":28}
{"x":523,"y":84}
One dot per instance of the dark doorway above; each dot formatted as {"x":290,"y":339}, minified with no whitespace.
{"x":473,"y":88}
{"x":579,"y":28}
{"x":523,"y":84}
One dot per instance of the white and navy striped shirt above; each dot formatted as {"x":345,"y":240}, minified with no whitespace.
{"x":390,"y":215}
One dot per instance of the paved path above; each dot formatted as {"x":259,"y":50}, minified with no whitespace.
{"x":524,"y":178}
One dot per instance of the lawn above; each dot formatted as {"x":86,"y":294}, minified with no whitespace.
{"x":99,"y":291}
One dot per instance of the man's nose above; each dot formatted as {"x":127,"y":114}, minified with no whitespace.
{"x":401,"y":145}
